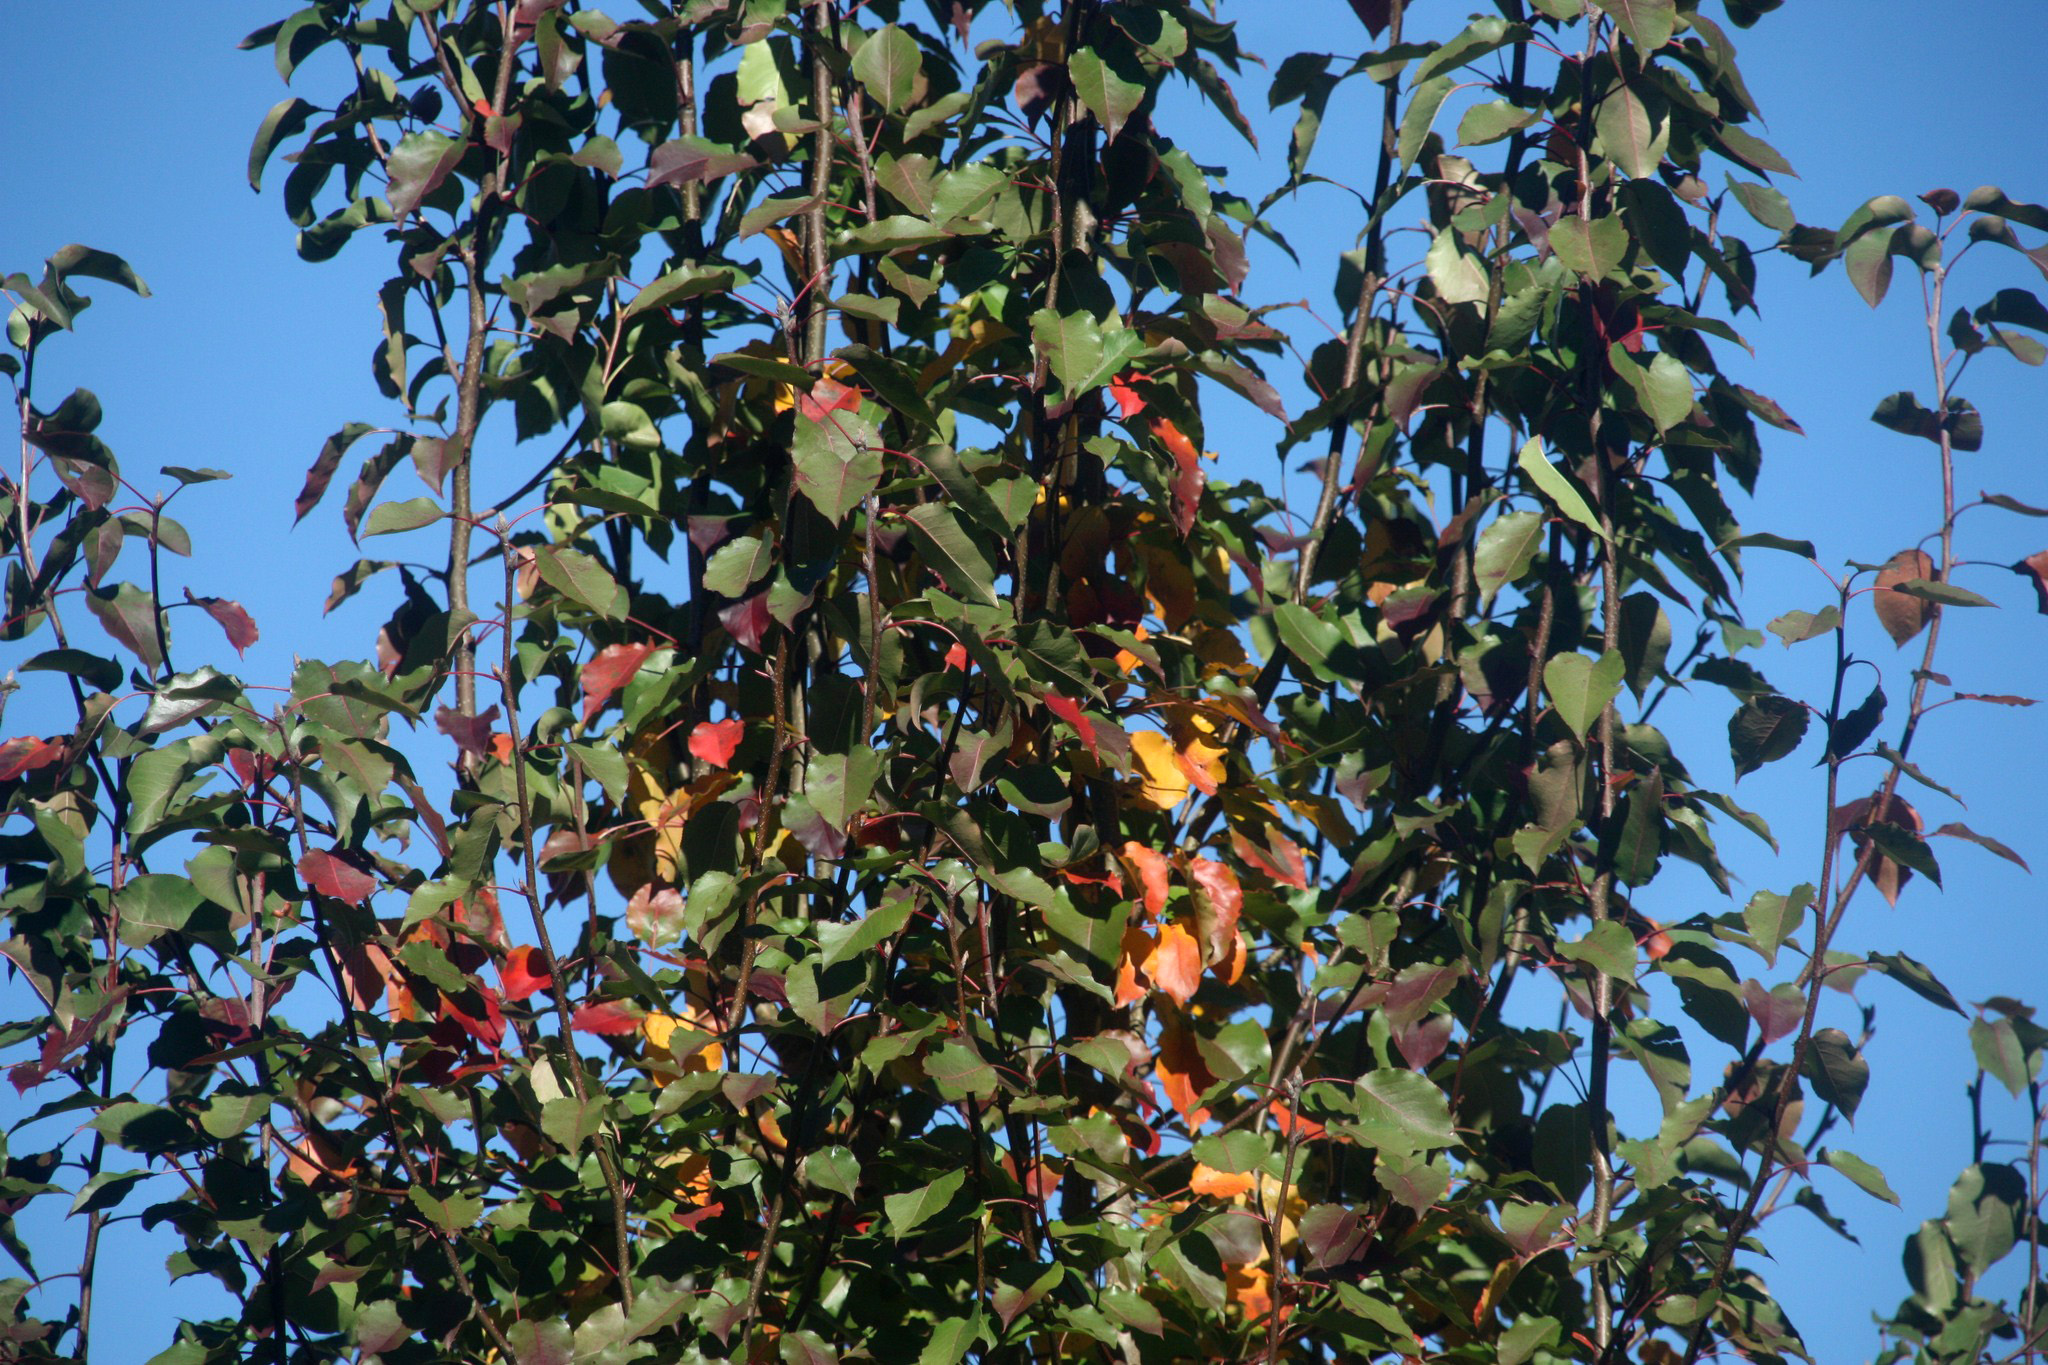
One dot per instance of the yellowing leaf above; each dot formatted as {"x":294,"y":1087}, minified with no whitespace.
{"x":1162,"y":785}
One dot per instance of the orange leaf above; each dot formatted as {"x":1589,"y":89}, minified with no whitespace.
{"x":1182,"y":1072}
{"x":1232,"y":970}
{"x":956,"y":657}
{"x":1187,"y":480}
{"x":1138,"y":947}
{"x":1250,"y":1288}
{"x":611,"y":670}
{"x":1293,"y":1125}
{"x":1219,"y":1184}
{"x":1152,"y":872}
{"x":1175,"y":966}
{"x":715,"y":741}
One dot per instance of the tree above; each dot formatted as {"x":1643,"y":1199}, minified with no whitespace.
{"x":1023,"y":895}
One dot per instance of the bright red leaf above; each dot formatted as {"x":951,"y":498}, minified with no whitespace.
{"x":715,"y":741}
{"x":1129,"y":403}
{"x":524,"y":973}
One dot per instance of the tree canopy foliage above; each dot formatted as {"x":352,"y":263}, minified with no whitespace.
{"x":858,"y":841}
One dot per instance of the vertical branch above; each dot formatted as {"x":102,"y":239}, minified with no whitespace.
{"x":475,"y":254}
{"x":607,"y":1161}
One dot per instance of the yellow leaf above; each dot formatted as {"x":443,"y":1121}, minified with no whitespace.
{"x":1162,"y":785}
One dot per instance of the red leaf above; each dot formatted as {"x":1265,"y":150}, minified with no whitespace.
{"x":1187,"y":479}
{"x":1282,"y":862}
{"x":611,"y":670}
{"x":828,"y":396}
{"x":472,"y":734}
{"x":715,"y":741}
{"x":1128,"y":401}
{"x":239,"y":625}
{"x":524,"y":973}
{"x":956,"y":657}
{"x":1152,"y":871}
{"x":747,"y":621}
{"x":26,"y":754}
{"x":332,"y":875}
{"x":488,"y":1027}
{"x":1070,"y":712}
{"x":604,"y":1017}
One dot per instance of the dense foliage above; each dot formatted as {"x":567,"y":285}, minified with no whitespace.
{"x":870,"y":847}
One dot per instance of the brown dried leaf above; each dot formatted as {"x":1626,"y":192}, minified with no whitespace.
{"x":1902,"y":616}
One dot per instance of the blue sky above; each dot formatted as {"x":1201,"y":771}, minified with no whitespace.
{"x":129,"y":131}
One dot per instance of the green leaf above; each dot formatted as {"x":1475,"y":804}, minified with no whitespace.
{"x":389,"y":518}
{"x":1948,"y":594}
{"x":1915,"y":977}
{"x":1109,"y":97}
{"x":1771,"y":918}
{"x":1641,"y":842}
{"x":1904,"y":847}
{"x":285,"y":118}
{"x":1608,"y":948}
{"x":1506,"y":548}
{"x":1765,"y":204}
{"x":1081,"y":354}
{"x":951,"y":1340}
{"x":1423,"y":104}
{"x":1581,"y":688}
{"x":739,"y":564}
{"x":838,"y":461}
{"x":1492,"y":121}
{"x":1645,"y":641}
{"x":1233,"y":1152}
{"x":93,"y":263}
{"x":1458,"y":274}
{"x":417,"y":166}
{"x":1839,"y":1075}
{"x":1648,"y":23}
{"x":1866,"y":1177}
{"x":1592,"y":247}
{"x":582,"y":580}
{"x":1663,"y":387}
{"x":951,"y":552}
{"x":1763,"y":730}
{"x":833,"y":1168}
{"x":570,"y":1121}
{"x":909,"y":1211}
{"x":1795,"y":627}
{"x":1401,"y":1111}
{"x":154,"y":904}
{"x":1764,"y":540}
{"x":2001,"y":1054}
{"x":1634,"y":131}
{"x":1553,"y":485}
{"x":889,"y":67}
